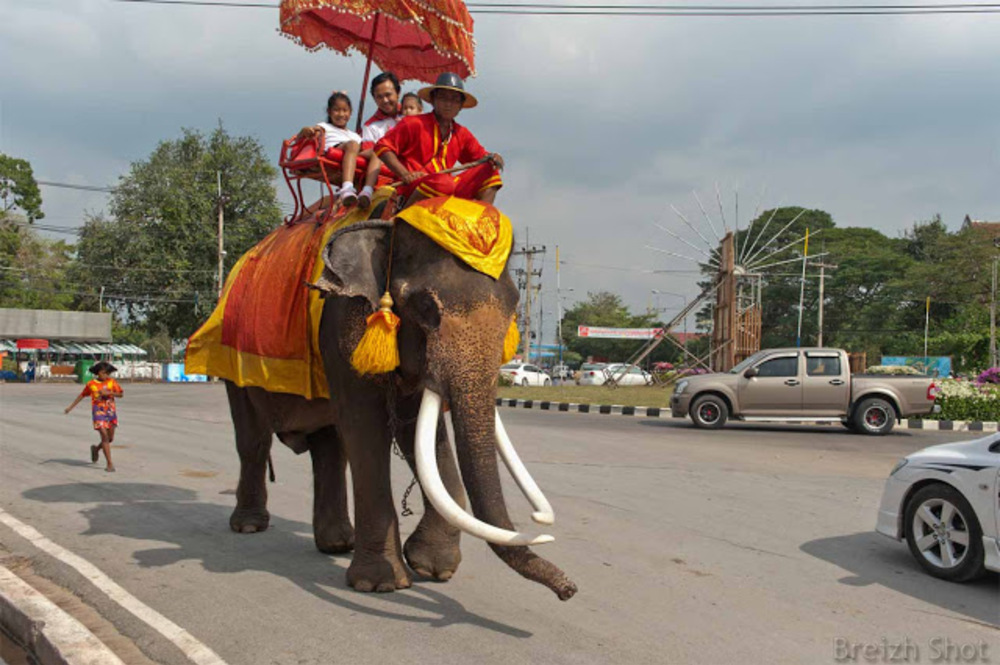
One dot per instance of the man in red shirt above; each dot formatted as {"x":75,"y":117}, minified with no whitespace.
{"x":421,"y":146}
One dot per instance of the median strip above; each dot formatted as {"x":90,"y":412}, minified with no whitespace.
{"x":659,"y":412}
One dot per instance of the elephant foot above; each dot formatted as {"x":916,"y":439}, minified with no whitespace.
{"x":248,"y":520}
{"x":335,"y":539}
{"x":432,"y":559}
{"x":376,"y":574}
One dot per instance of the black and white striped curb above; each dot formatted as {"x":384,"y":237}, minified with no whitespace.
{"x":664,"y":412}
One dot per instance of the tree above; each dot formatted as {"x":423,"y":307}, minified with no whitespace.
{"x":33,"y":270}
{"x":18,"y":188}
{"x":156,"y":256}
{"x":606,"y":309}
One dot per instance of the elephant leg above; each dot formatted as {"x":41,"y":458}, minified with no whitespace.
{"x":253,"y":443}
{"x":432,"y":550}
{"x":332,"y":528}
{"x":378,"y":563}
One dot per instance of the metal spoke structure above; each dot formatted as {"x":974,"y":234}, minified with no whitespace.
{"x":736,"y":288}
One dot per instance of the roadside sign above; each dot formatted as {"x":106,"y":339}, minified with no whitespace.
{"x":32,"y":343}
{"x":595,"y":332}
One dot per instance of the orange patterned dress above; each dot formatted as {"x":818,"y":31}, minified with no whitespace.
{"x":103,"y":406}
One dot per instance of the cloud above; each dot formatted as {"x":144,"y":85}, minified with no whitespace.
{"x":604,"y":122}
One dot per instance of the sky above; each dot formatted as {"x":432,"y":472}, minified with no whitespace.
{"x":605,"y":123}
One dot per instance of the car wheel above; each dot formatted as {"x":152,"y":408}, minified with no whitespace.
{"x":524,"y":382}
{"x":709,"y":412}
{"x":874,"y":416}
{"x":547,"y":382}
{"x":943,"y":533}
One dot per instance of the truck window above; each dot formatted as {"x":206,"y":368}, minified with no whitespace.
{"x":823,"y":366}
{"x":779,"y":367}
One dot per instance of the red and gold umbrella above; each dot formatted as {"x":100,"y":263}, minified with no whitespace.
{"x":414,"y":39}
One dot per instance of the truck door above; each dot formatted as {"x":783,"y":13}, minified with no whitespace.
{"x":776,"y":390}
{"x":826,"y":386}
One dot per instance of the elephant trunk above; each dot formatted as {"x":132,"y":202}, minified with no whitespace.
{"x":474,"y":418}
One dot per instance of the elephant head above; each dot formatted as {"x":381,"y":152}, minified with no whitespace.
{"x":453,"y":322}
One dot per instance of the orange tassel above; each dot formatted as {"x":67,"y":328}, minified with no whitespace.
{"x":511,"y":341}
{"x":378,"y":351}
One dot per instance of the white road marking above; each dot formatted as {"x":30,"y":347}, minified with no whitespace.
{"x":183,"y":640}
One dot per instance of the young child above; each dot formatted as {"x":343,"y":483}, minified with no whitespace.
{"x":411,"y":104}
{"x":337,"y":135}
{"x":102,"y":391}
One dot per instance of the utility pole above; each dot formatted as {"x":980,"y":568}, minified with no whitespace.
{"x":822,"y":281}
{"x":221,"y":205}
{"x":528,"y":252}
{"x":993,"y":312}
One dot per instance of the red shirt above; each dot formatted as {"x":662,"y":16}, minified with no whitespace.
{"x":416,"y":141}
{"x":94,"y":387}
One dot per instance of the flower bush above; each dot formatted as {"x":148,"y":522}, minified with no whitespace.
{"x":968,"y":400}
{"x":992,"y":375}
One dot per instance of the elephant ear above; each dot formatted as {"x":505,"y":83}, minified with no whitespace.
{"x":355,"y":261}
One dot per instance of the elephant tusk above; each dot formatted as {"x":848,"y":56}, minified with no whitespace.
{"x":434,"y":489}
{"x":543,"y":509}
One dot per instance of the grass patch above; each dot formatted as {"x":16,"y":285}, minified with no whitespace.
{"x":625,"y":395}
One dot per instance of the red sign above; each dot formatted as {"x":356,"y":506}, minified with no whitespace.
{"x":32,"y":343}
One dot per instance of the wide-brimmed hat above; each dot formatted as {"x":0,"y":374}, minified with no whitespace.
{"x":448,"y":81}
{"x":102,"y":364}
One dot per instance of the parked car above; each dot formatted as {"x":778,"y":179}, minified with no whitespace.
{"x":592,"y":374}
{"x":812,"y":384}
{"x":523,"y":374}
{"x":943,"y":501}
{"x":562,"y":372}
{"x":635,"y":376}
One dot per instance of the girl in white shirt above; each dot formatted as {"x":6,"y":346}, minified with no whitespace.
{"x":337,"y":135}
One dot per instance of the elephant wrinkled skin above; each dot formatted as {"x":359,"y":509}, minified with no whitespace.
{"x":453,"y":324}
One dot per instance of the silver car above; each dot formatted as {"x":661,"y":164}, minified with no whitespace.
{"x":943,"y":501}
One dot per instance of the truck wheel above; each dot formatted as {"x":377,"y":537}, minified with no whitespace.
{"x":874,"y":416}
{"x":709,"y":412}
{"x":943,"y":533}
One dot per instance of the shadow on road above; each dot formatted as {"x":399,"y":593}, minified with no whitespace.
{"x":875,"y":559}
{"x":200,"y":531}
{"x":71,"y":462}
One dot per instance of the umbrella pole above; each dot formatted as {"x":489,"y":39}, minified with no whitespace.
{"x":368,"y":69}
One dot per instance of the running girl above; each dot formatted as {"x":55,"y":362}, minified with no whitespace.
{"x":102,"y":390}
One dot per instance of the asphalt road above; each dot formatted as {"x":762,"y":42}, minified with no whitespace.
{"x":754,"y":544}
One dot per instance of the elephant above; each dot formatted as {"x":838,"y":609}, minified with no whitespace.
{"x":453,"y":322}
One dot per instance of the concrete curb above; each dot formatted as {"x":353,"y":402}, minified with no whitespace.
{"x":50,"y":634}
{"x":664,"y":412}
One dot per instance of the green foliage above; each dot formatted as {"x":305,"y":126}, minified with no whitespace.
{"x":968,"y":408}
{"x":33,"y":270}
{"x":18,"y":189}
{"x":875,"y":299}
{"x":156,"y":256}
{"x":607,"y":309}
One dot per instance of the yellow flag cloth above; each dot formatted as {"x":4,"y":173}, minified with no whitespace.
{"x":475,"y":232}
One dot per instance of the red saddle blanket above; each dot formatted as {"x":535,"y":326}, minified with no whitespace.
{"x":264,"y":331}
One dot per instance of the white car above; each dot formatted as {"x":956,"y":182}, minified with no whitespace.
{"x":523,"y":374}
{"x":943,"y":501}
{"x":592,"y":374}
{"x":635,"y":376}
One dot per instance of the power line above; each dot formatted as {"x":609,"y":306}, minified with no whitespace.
{"x":67,"y":185}
{"x":524,"y":9}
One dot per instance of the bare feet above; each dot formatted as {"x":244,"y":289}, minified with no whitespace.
{"x":110,"y":469}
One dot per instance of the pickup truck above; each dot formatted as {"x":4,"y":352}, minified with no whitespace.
{"x":798,"y":385}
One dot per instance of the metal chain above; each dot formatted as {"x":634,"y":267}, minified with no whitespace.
{"x":394,"y":423}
